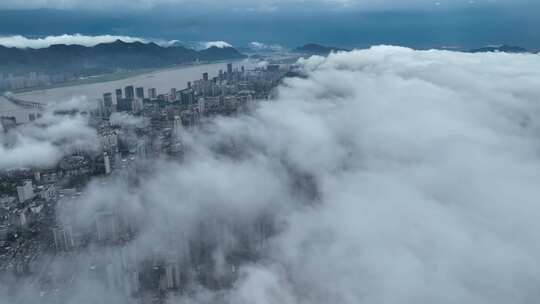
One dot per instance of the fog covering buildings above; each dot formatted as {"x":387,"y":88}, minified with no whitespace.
{"x":124,"y":135}
{"x":386,"y":175}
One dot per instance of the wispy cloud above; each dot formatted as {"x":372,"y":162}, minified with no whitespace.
{"x":19,"y":41}
{"x":76,"y":39}
{"x":49,"y":138}
{"x":218,"y":44}
{"x":259,"y":46}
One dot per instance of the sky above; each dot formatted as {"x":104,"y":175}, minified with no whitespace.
{"x":389,"y":175}
{"x":344,"y":23}
{"x":261,"y":5}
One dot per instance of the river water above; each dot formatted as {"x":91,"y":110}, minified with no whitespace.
{"x":9,"y":109}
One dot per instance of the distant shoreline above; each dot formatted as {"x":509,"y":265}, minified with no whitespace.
{"x":113,"y":77}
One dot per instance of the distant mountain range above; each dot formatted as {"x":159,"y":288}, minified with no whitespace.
{"x":317,"y":49}
{"x":105,"y":57}
{"x":110,"y":57}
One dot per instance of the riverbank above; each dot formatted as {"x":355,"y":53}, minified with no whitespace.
{"x":112,"y":77}
{"x":163,"y":79}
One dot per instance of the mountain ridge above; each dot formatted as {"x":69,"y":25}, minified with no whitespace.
{"x":318,"y":49}
{"x":502,"y":48}
{"x":105,"y":57}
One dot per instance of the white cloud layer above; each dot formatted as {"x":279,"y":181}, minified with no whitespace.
{"x":218,"y":44}
{"x":391,"y":176}
{"x":126,"y":120}
{"x":23,"y":42}
{"x":263,"y":47}
{"x":427,"y":164}
{"x":45,"y":141}
{"x":76,"y":39}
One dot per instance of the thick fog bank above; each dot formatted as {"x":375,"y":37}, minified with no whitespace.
{"x":386,"y":175}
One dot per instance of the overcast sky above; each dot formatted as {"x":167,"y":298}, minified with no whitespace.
{"x":343,"y":23}
{"x":261,"y":5}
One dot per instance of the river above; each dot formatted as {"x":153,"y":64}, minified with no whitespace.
{"x":9,"y":109}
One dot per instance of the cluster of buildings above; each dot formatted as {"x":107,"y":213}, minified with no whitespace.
{"x":226,"y":93}
{"x":30,"y":198}
{"x":164,"y":114}
{"x":29,"y":80}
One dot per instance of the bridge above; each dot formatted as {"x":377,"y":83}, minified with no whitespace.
{"x":24,"y":103}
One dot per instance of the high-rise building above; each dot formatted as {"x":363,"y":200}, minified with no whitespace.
{"x":187,"y":97}
{"x":107,"y":163}
{"x":205,"y":76}
{"x":26,"y":191}
{"x":124,"y":105}
{"x":109,"y":141}
{"x":137,"y":105}
{"x":107,"y":100}
{"x":139,"y":92}
{"x":229,"y":68}
{"x":202,"y":105}
{"x":172,"y":96}
{"x":63,"y":238}
{"x":129,"y":92}
{"x":177,"y":126}
{"x":107,"y":226}
{"x":118,"y":95}
{"x":273,"y":68}
{"x":152,"y":93}
{"x":105,"y":106}
{"x":142,"y":149}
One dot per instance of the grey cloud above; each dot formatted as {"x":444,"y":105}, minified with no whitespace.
{"x":260,"y":5}
{"x":265,"y":47}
